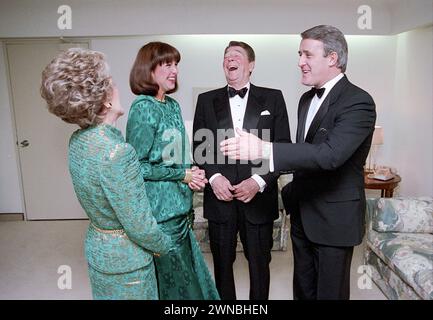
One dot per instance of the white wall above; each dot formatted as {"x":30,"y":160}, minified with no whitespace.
{"x":201,"y":66}
{"x":36,"y":18}
{"x":409,"y":129}
{"x":276,"y":66}
{"x":411,"y":14}
{"x":10,"y":192}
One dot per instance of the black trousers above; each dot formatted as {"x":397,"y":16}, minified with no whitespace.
{"x":320,"y":272}
{"x":257,"y":243}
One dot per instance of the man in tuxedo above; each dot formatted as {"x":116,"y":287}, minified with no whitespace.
{"x":326,"y":198}
{"x":240,"y":197}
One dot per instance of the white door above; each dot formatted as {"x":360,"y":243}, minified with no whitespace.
{"x":42,"y":137}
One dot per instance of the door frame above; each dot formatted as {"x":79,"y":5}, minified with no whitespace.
{"x":5,"y":43}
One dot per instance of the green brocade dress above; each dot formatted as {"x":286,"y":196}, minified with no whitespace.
{"x":123,"y":234}
{"x":156,"y":130}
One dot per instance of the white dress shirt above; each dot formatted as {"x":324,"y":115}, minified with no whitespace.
{"x":238,"y":106}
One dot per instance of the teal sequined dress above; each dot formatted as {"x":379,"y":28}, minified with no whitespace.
{"x":156,"y":130}
{"x":123,"y":234}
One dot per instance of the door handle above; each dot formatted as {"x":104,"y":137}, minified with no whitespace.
{"x":24,"y":143}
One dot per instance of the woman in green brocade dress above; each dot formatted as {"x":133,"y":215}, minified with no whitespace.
{"x":156,"y":130}
{"x":123,"y":235}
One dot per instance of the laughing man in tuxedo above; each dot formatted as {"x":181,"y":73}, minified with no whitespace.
{"x":238,"y":200}
{"x":326,"y":198}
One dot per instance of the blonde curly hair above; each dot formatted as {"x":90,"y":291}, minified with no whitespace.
{"x":75,"y":86}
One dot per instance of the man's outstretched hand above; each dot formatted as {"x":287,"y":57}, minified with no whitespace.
{"x":245,"y":147}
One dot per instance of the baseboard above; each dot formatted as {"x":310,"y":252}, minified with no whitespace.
{"x":11,"y":216}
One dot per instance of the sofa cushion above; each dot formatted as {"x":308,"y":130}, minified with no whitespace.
{"x":410,"y":256}
{"x":403,"y":215}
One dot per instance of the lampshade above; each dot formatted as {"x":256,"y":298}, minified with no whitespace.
{"x":377,"y":136}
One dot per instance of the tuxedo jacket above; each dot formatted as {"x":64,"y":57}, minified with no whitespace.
{"x":266,"y":117}
{"x":327,"y":192}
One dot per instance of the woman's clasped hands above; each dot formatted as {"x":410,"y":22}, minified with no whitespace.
{"x":199,"y":180}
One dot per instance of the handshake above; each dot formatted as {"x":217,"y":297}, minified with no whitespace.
{"x":195,"y":178}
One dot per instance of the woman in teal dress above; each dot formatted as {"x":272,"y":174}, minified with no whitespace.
{"x":123,"y":235}
{"x":156,"y":130}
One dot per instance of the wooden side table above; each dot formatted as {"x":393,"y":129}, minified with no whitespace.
{"x":387,"y":187}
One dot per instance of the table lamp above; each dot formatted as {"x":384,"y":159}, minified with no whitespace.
{"x":375,"y":142}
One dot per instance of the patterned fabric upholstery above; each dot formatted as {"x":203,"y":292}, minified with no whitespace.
{"x":404,"y":215}
{"x":402,"y":260}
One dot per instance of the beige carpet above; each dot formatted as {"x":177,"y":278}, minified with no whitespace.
{"x":31,"y":253}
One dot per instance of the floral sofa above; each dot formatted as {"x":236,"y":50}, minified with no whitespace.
{"x":400,"y":246}
{"x":280,"y":232}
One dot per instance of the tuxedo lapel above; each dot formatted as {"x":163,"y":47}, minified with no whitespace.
{"x":317,"y":120}
{"x":253,"y":109}
{"x":302,"y":116}
{"x":222,"y":109}
{"x":330,"y":100}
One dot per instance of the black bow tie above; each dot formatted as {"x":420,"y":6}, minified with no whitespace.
{"x":242,"y":92}
{"x":319,"y":92}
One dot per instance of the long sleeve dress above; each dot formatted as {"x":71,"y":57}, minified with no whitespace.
{"x":156,"y":130}
{"x":123,"y":235}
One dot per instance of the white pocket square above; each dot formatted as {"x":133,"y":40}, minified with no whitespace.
{"x":265,"y":113}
